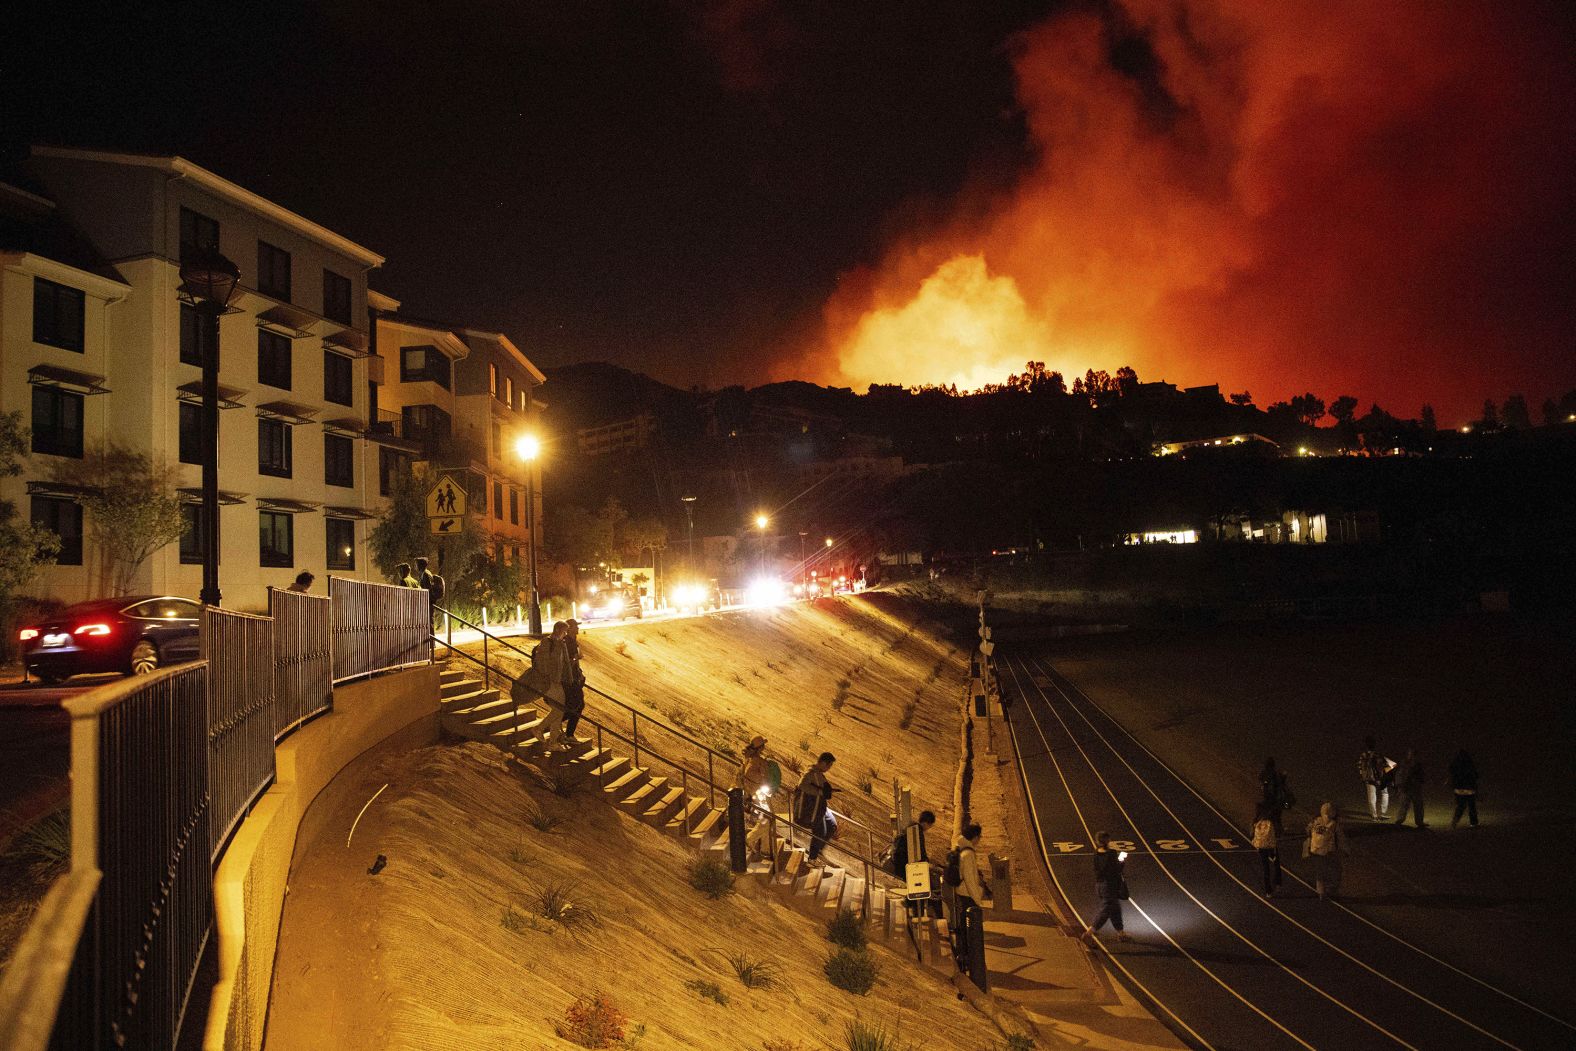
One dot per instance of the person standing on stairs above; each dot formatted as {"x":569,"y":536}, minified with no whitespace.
{"x":810,"y":809}
{"x":754,"y":782}
{"x":575,"y":684}
{"x":550,"y":670}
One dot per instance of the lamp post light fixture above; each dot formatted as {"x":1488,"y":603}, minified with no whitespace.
{"x":761,"y":522}
{"x":210,"y":281}
{"x":804,"y":567}
{"x":689,"y":514}
{"x":528,"y":447}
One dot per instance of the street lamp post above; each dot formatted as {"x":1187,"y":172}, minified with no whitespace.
{"x":529,"y":448}
{"x":689,"y":514}
{"x":804,"y":567}
{"x":209,"y":280}
{"x":761,"y":522}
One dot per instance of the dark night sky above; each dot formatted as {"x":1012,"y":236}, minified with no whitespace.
{"x":1374,"y":197}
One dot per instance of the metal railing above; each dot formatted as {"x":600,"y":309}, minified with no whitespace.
{"x":239,"y":649}
{"x":303,"y":658}
{"x":377,"y":627}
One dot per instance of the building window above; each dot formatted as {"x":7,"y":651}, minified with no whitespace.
{"x":508,"y":386}
{"x":273,"y":359}
{"x":198,"y":232}
{"x":273,"y":448}
{"x":57,"y":315}
{"x":191,"y":442}
{"x":424,"y":363}
{"x":492,"y":379}
{"x":338,"y":383}
{"x":498,"y":500}
{"x":277,"y":547}
{"x":191,"y":534}
{"x":273,"y":271}
{"x":198,"y":332}
{"x":425,"y":423}
{"x":341,"y":543}
{"x":57,"y":422}
{"x":336,"y":297}
{"x":339,"y":460}
{"x":64,"y":519}
{"x":514,"y":507}
{"x":390,"y":463}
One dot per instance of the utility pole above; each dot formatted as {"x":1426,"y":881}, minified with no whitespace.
{"x":689,"y":514}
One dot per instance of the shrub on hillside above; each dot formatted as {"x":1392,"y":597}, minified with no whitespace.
{"x":554,"y":902}
{"x":707,"y":991}
{"x":711,"y":876}
{"x":861,"y":1036}
{"x":593,"y":1021}
{"x":753,"y":974}
{"x":845,"y":930}
{"x":852,"y":970}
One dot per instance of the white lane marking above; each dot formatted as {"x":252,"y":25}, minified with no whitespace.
{"x":1249,"y":942}
{"x":1103,"y":948}
{"x":1344,"y":908}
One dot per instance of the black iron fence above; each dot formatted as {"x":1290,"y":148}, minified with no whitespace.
{"x":377,"y":627}
{"x":239,"y":649}
{"x":303,"y":661}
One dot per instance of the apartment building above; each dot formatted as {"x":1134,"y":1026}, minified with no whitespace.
{"x":98,"y":344}
{"x":458,"y":399}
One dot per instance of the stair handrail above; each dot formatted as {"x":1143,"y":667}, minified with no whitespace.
{"x":711,"y":753}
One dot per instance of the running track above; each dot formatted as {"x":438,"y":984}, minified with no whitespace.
{"x":1220,"y":964}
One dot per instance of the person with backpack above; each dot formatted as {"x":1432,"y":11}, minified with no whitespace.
{"x":1110,"y":887}
{"x":962,"y":874}
{"x":1410,"y":777}
{"x":1265,"y":842}
{"x":753,"y":781}
{"x":1372,"y":768}
{"x":1324,"y":846}
{"x":1276,"y":792}
{"x":544,"y":681}
{"x":1464,"y":783}
{"x":575,"y":684}
{"x":898,"y":854}
{"x":810,"y":807}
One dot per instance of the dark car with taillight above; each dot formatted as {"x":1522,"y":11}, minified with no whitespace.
{"x":134,"y":634}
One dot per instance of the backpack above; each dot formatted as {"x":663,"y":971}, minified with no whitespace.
{"x":437,"y":589}
{"x":952,"y":872}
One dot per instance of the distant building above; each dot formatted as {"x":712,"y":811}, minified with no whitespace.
{"x":620,"y":436}
{"x":1225,"y":441}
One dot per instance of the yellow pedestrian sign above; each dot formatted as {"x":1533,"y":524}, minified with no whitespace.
{"x":445,"y":507}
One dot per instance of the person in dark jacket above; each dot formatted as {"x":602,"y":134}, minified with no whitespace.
{"x":1110,"y":887}
{"x":900,"y":858}
{"x":810,"y":808}
{"x":1409,"y":781}
{"x":1464,"y":783}
{"x":1276,"y":793}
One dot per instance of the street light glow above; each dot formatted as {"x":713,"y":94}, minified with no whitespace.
{"x":761,"y":521}
{"x":828,"y":541}
{"x":528,"y":447}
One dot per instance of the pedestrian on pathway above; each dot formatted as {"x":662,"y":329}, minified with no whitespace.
{"x":1410,"y":777}
{"x":1464,"y":783}
{"x":575,"y":685}
{"x":969,"y":890}
{"x":1265,"y":842}
{"x":1276,"y":792}
{"x":754,"y":781}
{"x":900,"y":854}
{"x":402,"y":575}
{"x":303,"y":583}
{"x":545,"y":679}
{"x":810,"y":809}
{"x":1324,"y":846}
{"x":1110,"y":888}
{"x":1372,"y":768}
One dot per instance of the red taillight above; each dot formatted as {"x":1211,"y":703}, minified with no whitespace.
{"x":96,"y":628}
{"x":27,"y":634}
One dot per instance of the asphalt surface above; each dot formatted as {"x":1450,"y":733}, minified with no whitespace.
{"x":1213,"y":958}
{"x":34,"y":750}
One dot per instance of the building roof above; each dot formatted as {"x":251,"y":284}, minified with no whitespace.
{"x":507,"y":344}
{"x":30,"y":224}
{"x":225,"y":189}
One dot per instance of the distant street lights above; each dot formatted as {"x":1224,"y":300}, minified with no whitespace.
{"x":761,"y":522}
{"x":528,"y":448}
{"x":210,"y":281}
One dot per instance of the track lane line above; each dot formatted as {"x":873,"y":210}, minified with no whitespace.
{"x":1340,"y":905}
{"x":1161,"y":930}
{"x":1249,"y":942}
{"x":1254,"y":894}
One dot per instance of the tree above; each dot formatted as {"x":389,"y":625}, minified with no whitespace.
{"x":1429,"y":423}
{"x":1308,"y":408}
{"x":403,"y":534}
{"x":24,"y":548}
{"x":1515,"y":414}
{"x":1243,"y":399}
{"x":1343,"y":408}
{"x":130,"y":504}
{"x":1126,"y":380}
{"x":1490,"y":419}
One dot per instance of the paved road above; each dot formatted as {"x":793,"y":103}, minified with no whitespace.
{"x":1220,"y":963}
{"x":34,"y":751}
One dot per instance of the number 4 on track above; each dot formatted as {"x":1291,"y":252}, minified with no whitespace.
{"x":1067,"y":848}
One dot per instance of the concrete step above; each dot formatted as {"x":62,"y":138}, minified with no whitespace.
{"x":853,"y":895}
{"x":712,"y":826}
{"x":642,"y":797}
{"x":478,"y":704}
{"x":610,"y":768}
{"x":448,"y":675}
{"x":523,"y":730}
{"x":880,"y":917}
{"x":456,"y":687}
{"x":688,"y":813}
{"x":663,"y":806}
{"x":625,"y":784}
{"x":829,"y":892}
{"x":808,"y":879}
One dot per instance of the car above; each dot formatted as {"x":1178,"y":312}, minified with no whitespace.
{"x":133,"y":634}
{"x":612,"y":604}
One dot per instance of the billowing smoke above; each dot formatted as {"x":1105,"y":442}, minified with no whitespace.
{"x":1342,"y":195}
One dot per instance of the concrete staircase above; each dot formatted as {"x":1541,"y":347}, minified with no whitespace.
{"x":471,"y":710}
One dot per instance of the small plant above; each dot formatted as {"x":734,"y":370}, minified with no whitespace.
{"x":593,"y":1021}
{"x":772,"y":667}
{"x":542,"y":821}
{"x":844,"y":684}
{"x":737,"y":679}
{"x":861,"y":1036}
{"x":840,"y":700}
{"x":711,"y":876}
{"x":792,"y":763}
{"x":46,"y":844}
{"x":1017,"y":1042}
{"x":908,"y":715}
{"x":851,"y":970}
{"x":778,"y":1043}
{"x":804,"y":744}
{"x":554,"y":903}
{"x":845,"y":930}
{"x":867,"y":783}
{"x":514,"y":921}
{"x":622,"y":649}
{"x":707,"y":990}
{"x":753,"y":974}
{"x":520,"y":856}
{"x":641,"y":639}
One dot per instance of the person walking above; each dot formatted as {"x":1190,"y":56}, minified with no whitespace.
{"x":575,"y":685}
{"x":1265,"y":842}
{"x":754,"y":782}
{"x":1372,"y":768}
{"x":1464,"y":783}
{"x":402,"y":575}
{"x":303,"y":583}
{"x":900,"y":855}
{"x":1110,"y":888}
{"x":810,"y":808}
{"x":969,"y":891}
{"x":1409,"y":778}
{"x":1275,"y":792}
{"x":545,"y":680}
{"x":1324,"y":847}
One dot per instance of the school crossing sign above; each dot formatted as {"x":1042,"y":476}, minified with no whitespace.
{"x":445,"y":507}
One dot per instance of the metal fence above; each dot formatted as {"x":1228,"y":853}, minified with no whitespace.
{"x":377,"y":627}
{"x":303,"y":664}
{"x":239,"y":649}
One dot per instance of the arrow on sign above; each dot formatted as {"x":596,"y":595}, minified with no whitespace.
{"x":442,"y":526}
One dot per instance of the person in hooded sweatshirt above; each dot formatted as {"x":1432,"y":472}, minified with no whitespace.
{"x":1326,"y":844}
